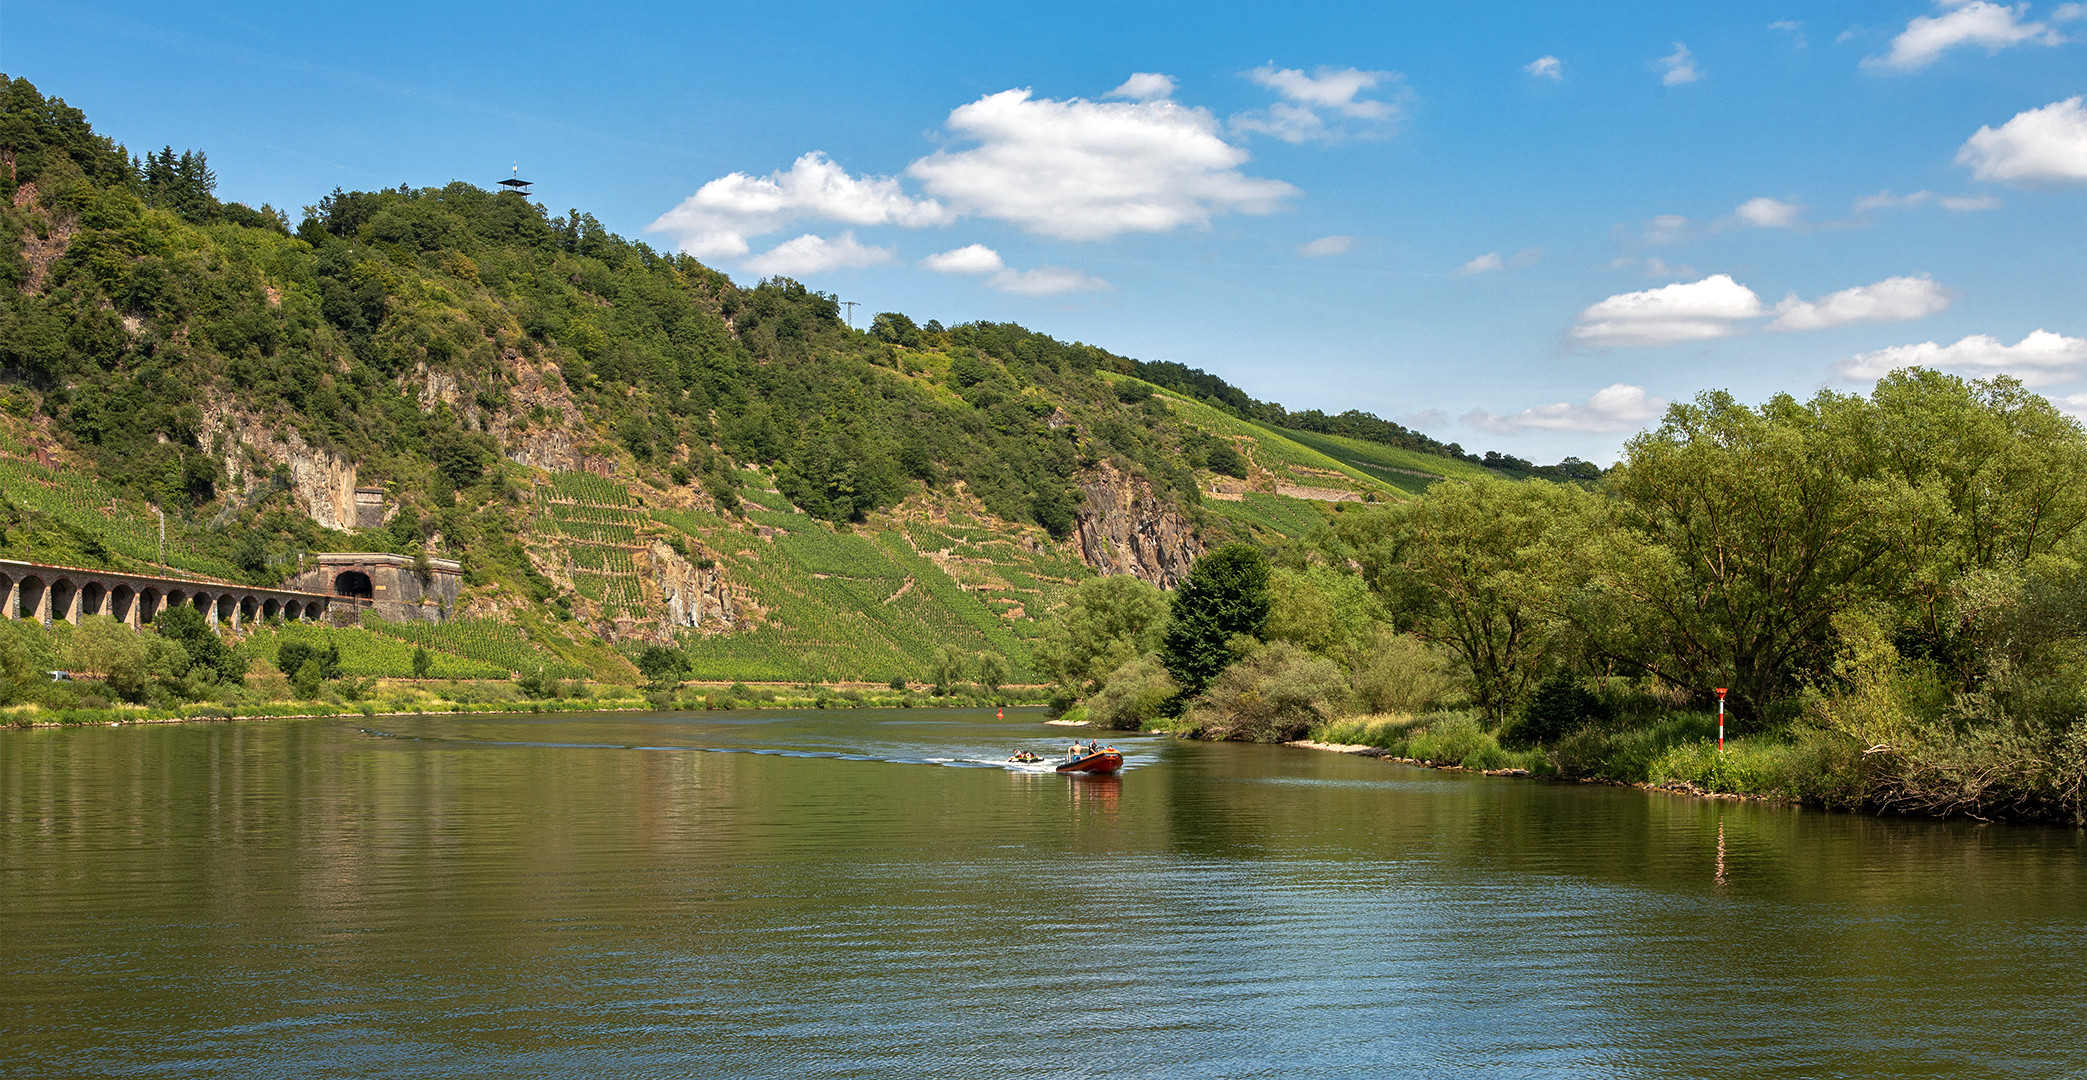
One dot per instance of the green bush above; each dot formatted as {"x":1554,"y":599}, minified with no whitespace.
{"x":1398,"y":673}
{"x":1456,"y":739}
{"x":1390,"y":731}
{"x":1133,"y":695}
{"x":1626,"y":754}
{"x":1560,"y":705}
{"x":1276,"y":694}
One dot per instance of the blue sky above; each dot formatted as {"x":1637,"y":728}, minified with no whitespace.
{"x":1515,"y":226}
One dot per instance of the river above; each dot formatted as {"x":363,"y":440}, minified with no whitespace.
{"x":865,"y":893}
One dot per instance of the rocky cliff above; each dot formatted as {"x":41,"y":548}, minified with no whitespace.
{"x":691,"y":596}
{"x":252,"y":449}
{"x":1124,"y":527}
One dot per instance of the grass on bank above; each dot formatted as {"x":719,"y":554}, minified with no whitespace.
{"x":1443,"y":738}
{"x":1677,"y":750}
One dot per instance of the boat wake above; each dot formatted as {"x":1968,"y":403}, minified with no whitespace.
{"x":1046,"y":766}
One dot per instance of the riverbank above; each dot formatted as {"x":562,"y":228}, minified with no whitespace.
{"x":1929,"y":775}
{"x":267,"y":699}
{"x":1671,"y":787}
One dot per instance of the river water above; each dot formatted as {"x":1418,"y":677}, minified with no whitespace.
{"x":866,"y":894}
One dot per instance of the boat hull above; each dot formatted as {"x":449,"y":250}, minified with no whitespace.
{"x":1103,"y":762}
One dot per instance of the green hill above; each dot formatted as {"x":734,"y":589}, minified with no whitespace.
{"x":623,"y":446}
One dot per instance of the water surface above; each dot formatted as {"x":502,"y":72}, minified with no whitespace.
{"x":870,"y":894}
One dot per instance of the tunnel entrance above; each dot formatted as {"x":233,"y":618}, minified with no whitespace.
{"x":353,"y":583}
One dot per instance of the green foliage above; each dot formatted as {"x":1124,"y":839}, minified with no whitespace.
{"x":950,"y":667}
{"x":130,"y":663}
{"x":1478,"y":567}
{"x":25,"y":654}
{"x":1626,"y":753}
{"x":308,"y":676}
{"x":422,"y":662}
{"x":1399,"y":673}
{"x":205,"y":651}
{"x":992,"y":671}
{"x":1106,"y":622}
{"x":1559,"y":705}
{"x":1132,"y":695}
{"x":294,"y":654}
{"x":1324,"y":611}
{"x":663,"y":667}
{"x":1276,"y":694}
{"x":1226,"y":594}
{"x":362,"y":653}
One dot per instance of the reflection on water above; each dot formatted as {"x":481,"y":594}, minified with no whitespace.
{"x":764,"y":894}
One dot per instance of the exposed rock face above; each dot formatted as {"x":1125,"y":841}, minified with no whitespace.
{"x":39,"y":252}
{"x":538,"y":390}
{"x":322,"y":483}
{"x":690,"y":596}
{"x":1124,"y":528}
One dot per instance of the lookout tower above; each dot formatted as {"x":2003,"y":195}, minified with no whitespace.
{"x":514,"y":181}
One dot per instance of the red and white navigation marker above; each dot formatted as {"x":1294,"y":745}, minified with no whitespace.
{"x":1720,"y":719}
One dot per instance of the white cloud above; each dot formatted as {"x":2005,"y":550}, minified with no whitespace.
{"x":1766,"y":213}
{"x":1084,"y":170}
{"x":1619,"y":407}
{"x":1791,"y":27}
{"x":1144,"y":86}
{"x":969,"y":259}
{"x":1691,"y":311}
{"x":1311,"y":100}
{"x":719,"y":217}
{"x":1426,"y":419}
{"x":1491,"y":261}
{"x":2047,"y":145}
{"x":1046,"y":281}
{"x":1889,"y":200}
{"x":1886,"y":200}
{"x":2068,"y":12}
{"x":1667,"y":229}
{"x":1336,"y":89}
{"x":2040,"y":358}
{"x":810,"y":254}
{"x":1546,"y":67}
{"x":1042,"y":281}
{"x":1975,"y":22}
{"x":1326,"y":245}
{"x":1679,"y":67}
{"x":1891,"y":300}
{"x":1653,"y":266}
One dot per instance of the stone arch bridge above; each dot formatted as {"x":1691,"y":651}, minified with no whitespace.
{"x":64,"y":593}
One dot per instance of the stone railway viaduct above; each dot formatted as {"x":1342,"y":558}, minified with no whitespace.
{"x":64,"y":593}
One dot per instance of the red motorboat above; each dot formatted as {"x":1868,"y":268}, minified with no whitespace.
{"x":1105,"y":762}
